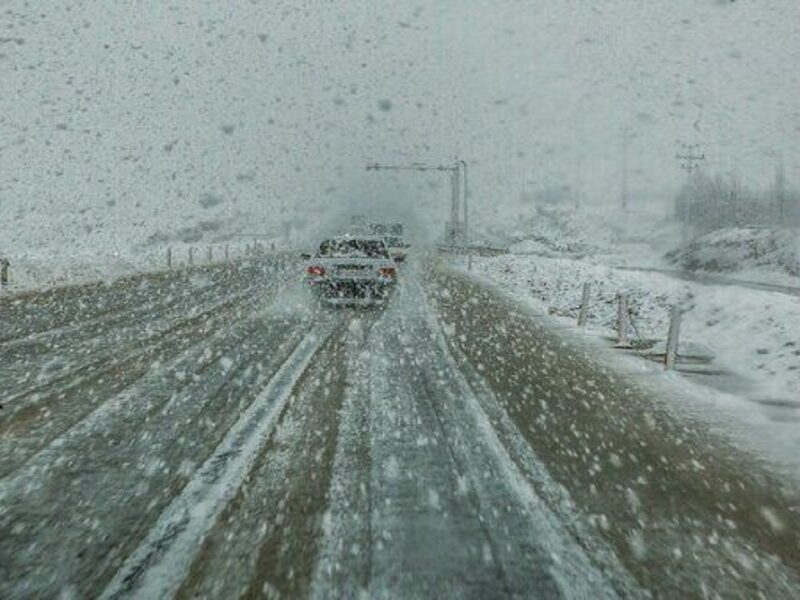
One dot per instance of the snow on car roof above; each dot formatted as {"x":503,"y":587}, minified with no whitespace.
{"x":365,"y":238}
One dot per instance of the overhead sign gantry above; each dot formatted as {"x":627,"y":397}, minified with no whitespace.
{"x":455,"y":232}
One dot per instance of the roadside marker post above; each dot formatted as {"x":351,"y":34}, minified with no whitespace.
{"x":191,"y":255}
{"x":673,"y":339}
{"x":623,"y":320}
{"x":4,"y":265}
{"x":210,"y":254}
{"x":227,"y":252}
{"x":169,"y":257}
{"x":584,"y":311}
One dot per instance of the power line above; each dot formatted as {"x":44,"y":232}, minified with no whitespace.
{"x":780,"y":188}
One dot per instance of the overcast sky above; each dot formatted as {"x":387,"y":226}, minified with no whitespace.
{"x":119,"y":119}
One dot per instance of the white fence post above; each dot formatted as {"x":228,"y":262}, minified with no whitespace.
{"x":671,"y":355}
{"x":623,"y":320}
{"x":584,"y":311}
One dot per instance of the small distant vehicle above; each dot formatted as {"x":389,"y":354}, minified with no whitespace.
{"x":352,"y":270}
{"x":397,"y":248}
{"x":392,"y":233}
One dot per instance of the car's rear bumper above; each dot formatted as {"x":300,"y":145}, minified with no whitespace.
{"x":354,"y":292}
{"x":337,"y":283}
{"x":353,"y":301}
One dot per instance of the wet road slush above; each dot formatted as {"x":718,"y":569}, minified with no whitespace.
{"x":448,"y":444}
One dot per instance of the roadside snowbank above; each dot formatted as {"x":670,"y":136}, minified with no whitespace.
{"x":48,"y":268}
{"x":753,"y":333}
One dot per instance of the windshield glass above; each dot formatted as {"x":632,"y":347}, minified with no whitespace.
{"x":412,"y":299}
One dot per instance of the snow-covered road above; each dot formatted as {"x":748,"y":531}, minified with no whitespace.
{"x":216,"y":434}
{"x":715,"y":279}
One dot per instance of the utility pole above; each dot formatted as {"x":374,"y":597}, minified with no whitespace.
{"x":780,"y":189}
{"x":455,"y":203}
{"x":690,"y":160}
{"x":285,"y":222}
{"x":671,"y":355}
{"x":463,"y":164}
{"x":456,"y":228}
{"x":4,"y":264}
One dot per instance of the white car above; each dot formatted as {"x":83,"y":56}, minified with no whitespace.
{"x":352,"y":270}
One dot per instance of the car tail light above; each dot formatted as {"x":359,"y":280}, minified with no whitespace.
{"x":316,"y":271}
{"x":387,"y":272}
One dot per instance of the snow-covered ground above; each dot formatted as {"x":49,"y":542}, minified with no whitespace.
{"x":47,"y":267}
{"x":753,"y":253}
{"x":751,"y":333}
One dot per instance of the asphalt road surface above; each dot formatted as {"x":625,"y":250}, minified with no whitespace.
{"x":216,"y":434}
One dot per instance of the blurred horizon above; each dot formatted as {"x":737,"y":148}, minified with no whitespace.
{"x":143,"y":119}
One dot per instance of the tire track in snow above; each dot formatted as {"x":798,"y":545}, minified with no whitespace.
{"x":274,"y":523}
{"x":36,"y":313}
{"x":97,"y":326}
{"x":557,"y":498}
{"x":40,"y":312}
{"x":344,"y":562}
{"x":127,"y":405}
{"x":527,"y":546}
{"x":160,"y":564}
{"x":116,"y":473}
{"x":583,"y":566}
{"x":77,"y":375}
{"x":34,"y":425}
{"x":638,"y":472}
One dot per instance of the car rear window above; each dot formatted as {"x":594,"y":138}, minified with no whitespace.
{"x":353,"y":248}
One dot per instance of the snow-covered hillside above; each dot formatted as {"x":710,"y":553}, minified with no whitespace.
{"x":742,"y":250}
